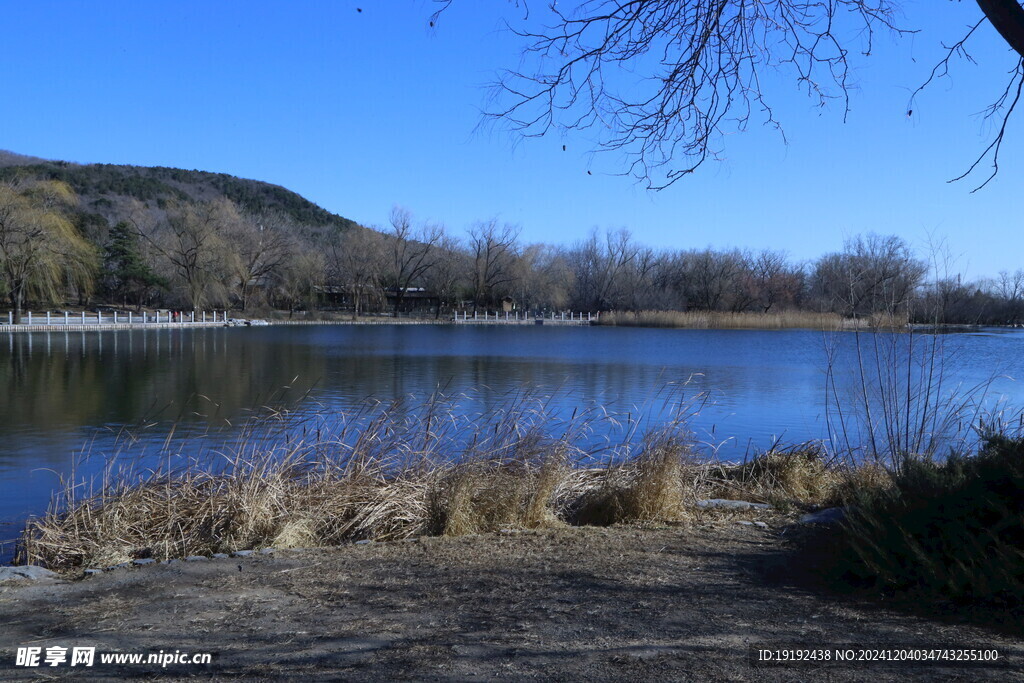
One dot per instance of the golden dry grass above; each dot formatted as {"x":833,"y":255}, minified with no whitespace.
{"x":383,"y":479}
{"x":722,"y":320}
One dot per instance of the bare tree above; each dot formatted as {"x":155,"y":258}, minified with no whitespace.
{"x":356,"y":262}
{"x":299,"y":278}
{"x":664,"y":80}
{"x":544,"y":278}
{"x":714,"y":277}
{"x":446,"y":278}
{"x":873,"y":274}
{"x":1010,"y":286}
{"x":261,"y":244}
{"x":773,"y":281}
{"x":602,"y":269}
{"x":493,"y":250}
{"x":191,"y":239}
{"x":411,"y":252}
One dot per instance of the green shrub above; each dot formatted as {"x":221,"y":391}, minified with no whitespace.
{"x":953,"y":530}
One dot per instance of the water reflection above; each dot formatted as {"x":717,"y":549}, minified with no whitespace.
{"x":64,"y":389}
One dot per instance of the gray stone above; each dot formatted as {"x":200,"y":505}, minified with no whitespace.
{"x":761,"y":525}
{"x":122,"y":565}
{"x":28,"y":572}
{"x":267,"y":551}
{"x":826,"y":516}
{"x":241,"y":553}
{"x":731,"y":504}
{"x":145,"y":561}
{"x":364,"y":542}
{"x":196,"y":558}
{"x":745,"y":523}
{"x":93,"y":572}
{"x":220,"y":556}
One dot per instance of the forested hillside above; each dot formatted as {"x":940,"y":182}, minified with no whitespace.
{"x":99,"y":234}
{"x":103,"y":188}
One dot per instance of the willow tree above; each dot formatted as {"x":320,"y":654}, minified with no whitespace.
{"x":663,"y":81}
{"x":41,"y":252}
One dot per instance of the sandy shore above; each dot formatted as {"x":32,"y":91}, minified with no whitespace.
{"x":657,"y":603}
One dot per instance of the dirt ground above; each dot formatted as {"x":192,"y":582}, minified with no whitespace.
{"x":663,"y":603}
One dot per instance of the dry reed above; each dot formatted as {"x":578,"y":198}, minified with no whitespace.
{"x":393,"y":475}
{"x":724,"y":320}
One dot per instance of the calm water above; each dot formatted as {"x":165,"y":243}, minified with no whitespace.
{"x":61,"y":391}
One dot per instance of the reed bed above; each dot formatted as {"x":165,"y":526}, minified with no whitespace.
{"x":392,"y":474}
{"x":722,"y":320}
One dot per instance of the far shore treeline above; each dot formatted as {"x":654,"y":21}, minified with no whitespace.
{"x":137,"y":237}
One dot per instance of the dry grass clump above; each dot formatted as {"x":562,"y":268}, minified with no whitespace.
{"x":648,"y":488}
{"x":396,"y":475}
{"x":801,"y":474}
{"x":723,"y":320}
{"x":483,"y":497}
{"x":386,"y":478}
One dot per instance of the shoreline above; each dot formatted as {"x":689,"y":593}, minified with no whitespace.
{"x":692,"y":320}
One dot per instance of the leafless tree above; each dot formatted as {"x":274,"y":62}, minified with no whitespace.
{"x":604,"y":270}
{"x":260,"y":246}
{"x":300,"y":277}
{"x":714,"y":279}
{"x":493,"y":249}
{"x":1010,"y":286}
{"x":191,"y":239}
{"x":356,"y":262}
{"x":410,"y":251}
{"x":873,"y":274}
{"x":446,"y":278}
{"x":664,"y":80}
{"x":544,"y":278}
{"x":774,"y":282}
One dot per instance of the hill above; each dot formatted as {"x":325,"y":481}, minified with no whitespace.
{"x":104,"y":191}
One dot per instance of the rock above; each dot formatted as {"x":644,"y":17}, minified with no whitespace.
{"x":241,"y":553}
{"x":220,"y":556}
{"x":761,"y":525}
{"x":28,"y":572}
{"x":745,"y":522}
{"x":143,"y":562}
{"x":93,"y":572}
{"x":267,"y":551}
{"x":364,"y":542}
{"x":196,"y":558}
{"x":731,"y":504}
{"x":826,"y":516}
{"x":122,"y":565}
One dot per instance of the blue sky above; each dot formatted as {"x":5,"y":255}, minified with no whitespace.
{"x":359,"y":111}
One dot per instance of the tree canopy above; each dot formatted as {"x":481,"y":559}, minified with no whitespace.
{"x":41,"y":252}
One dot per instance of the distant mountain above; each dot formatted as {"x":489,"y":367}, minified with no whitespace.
{"x":104,"y":191}
{"x":12,"y":159}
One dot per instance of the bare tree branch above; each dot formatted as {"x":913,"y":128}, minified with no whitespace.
{"x":662,"y":81}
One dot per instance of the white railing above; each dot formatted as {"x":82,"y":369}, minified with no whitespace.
{"x":568,"y":317}
{"x":114,"y":318}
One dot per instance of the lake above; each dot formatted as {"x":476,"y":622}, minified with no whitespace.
{"x":68,"y":392}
